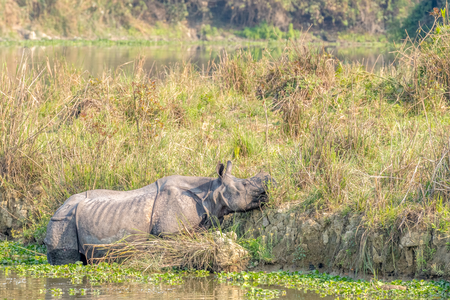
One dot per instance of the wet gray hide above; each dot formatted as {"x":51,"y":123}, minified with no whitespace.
{"x":101,"y":217}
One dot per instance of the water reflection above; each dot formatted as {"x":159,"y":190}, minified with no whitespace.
{"x":96,"y":59}
{"x":13,"y":287}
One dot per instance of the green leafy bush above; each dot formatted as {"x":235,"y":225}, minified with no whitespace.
{"x":260,"y":248}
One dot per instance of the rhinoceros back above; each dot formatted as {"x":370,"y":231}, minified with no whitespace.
{"x":105,"y":220}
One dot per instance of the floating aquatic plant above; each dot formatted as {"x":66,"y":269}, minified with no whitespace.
{"x":259,"y":285}
{"x":101,"y":273}
{"x":328,"y":285}
{"x":14,"y":253}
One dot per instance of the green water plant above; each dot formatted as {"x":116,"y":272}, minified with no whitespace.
{"x":56,"y":292}
{"x":256,"y":283}
{"x":72,"y":291}
{"x":260,"y":293}
{"x":15,"y":253}
{"x":341,"y":287}
{"x":101,"y":273}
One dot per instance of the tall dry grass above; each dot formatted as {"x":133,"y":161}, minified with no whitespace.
{"x":337,"y":138}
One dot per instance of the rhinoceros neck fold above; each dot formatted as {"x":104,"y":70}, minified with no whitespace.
{"x":204,"y":195}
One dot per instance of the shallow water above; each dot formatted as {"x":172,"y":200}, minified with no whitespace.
{"x":96,"y":59}
{"x":13,"y":287}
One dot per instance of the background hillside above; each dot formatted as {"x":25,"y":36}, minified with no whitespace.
{"x":146,"y":18}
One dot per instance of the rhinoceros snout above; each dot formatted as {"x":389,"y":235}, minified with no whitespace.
{"x":262,"y":183}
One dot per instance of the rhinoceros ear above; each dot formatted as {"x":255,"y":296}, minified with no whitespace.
{"x":219,"y":169}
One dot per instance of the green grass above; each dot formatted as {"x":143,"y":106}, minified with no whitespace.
{"x":259,"y":248}
{"x":337,"y":138}
{"x":265,"y":31}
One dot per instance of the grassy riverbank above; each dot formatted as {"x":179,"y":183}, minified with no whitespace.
{"x":258,"y":35}
{"x":338,"y":138}
{"x":175,"y":20}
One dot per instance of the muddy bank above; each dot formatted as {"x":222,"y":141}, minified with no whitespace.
{"x":340,"y":244}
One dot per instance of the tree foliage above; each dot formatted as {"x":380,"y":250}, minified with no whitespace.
{"x":374,"y":16}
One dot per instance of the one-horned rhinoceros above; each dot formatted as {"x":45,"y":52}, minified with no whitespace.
{"x":101,"y":217}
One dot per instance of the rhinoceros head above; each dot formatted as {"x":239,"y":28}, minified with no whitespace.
{"x":241,"y":194}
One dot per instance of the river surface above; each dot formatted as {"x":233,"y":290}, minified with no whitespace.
{"x":27,"y":288}
{"x":96,"y":59}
